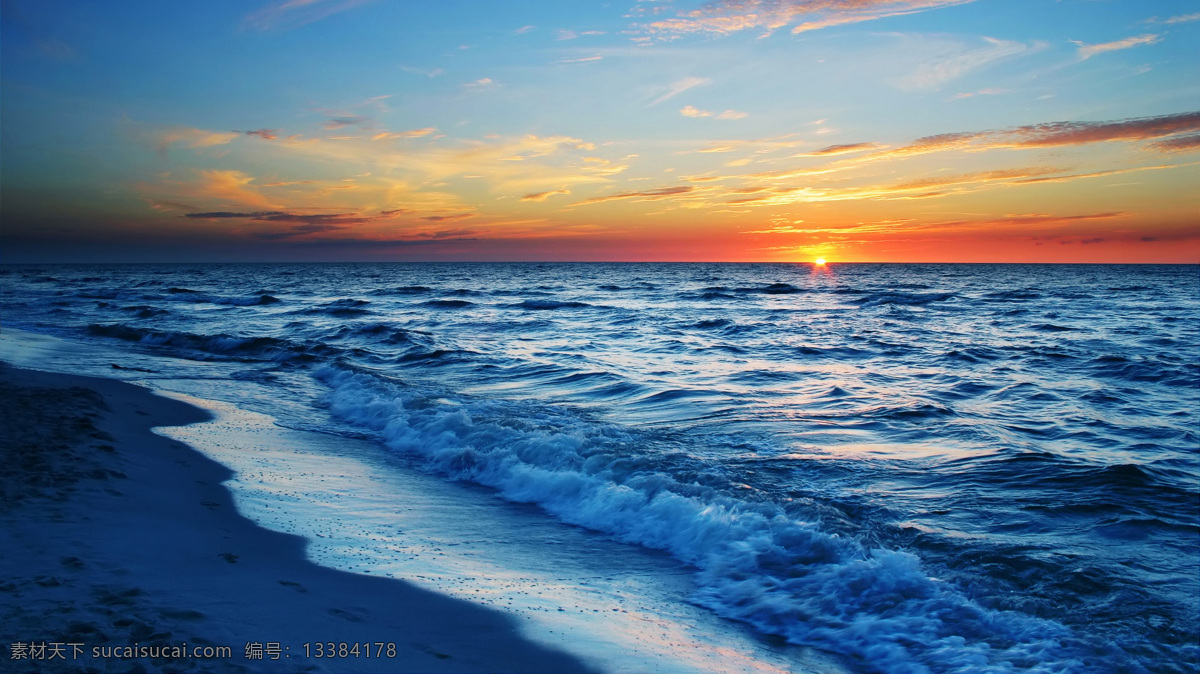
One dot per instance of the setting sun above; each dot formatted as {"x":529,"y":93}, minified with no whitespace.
{"x":820,"y":262}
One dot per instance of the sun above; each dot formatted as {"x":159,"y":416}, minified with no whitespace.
{"x":820,"y":262}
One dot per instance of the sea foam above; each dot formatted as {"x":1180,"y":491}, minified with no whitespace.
{"x":754,"y":563}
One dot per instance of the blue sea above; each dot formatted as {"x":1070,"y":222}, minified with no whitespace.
{"x":913,"y":468}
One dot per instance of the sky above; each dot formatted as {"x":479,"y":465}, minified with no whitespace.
{"x":640,"y":130}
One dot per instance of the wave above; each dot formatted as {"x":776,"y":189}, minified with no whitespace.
{"x":548,"y":305}
{"x":252,"y":348}
{"x":143,"y":311}
{"x":437,"y":357}
{"x":766,"y":289}
{"x":188,"y":295}
{"x":904,"y":299}
{"x":383,"y":333}
{"x":755,"y":563}
{"x":448,"y":304}
{"x":343,"y":307}
{"x":1012,"y":295}
{"x":403,"y":290}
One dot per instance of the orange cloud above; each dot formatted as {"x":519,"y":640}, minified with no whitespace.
{"x":840,"y":149}
{"x":648,"y":195}
{"x":415,"y":133}
{"x":265,"y":134}
{"x":542,"y":196}
{"x":1051,"y":134}
{"x":193,"y":138}
{"x":689,"y":111}
{"x":231,"y":187}
{"x":1178,"y":144}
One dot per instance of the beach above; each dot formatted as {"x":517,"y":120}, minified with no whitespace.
{"x":668,"y":468}
{"x":118,"y":541}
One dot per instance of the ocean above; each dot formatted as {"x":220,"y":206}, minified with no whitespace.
{"x":917,"y":467}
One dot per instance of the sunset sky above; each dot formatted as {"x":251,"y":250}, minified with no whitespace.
{"x":751,"y":130}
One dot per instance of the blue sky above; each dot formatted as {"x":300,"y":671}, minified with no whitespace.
{"x":901,"y":130}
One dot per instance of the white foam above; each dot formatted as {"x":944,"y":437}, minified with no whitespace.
{"x":755,"y":563}
{"x":616,"y":606}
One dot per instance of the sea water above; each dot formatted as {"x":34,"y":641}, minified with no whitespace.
{"x":914,"y":467}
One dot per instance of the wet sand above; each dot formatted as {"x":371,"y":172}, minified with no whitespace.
{"x":114,"y":537}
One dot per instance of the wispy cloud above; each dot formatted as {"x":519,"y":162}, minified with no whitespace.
{"x":1183,"y":18}
{"x":283,"y":216}
{"x":193,"y":138}
{"x":730,"y":16}
{"x":573,"y":35}
{"x":691,"y":111}
{"x":219,"y":215}
{"x":265,"y":134}
{"x":1050,"y":135}
{"x":414,"y":133}
{"x":230,"y":187}
{"x":1093,"y":174}
{"x":448,"y":218}
{"x":925,"y":188}
{"x":585,"y":59}
{"x":295,"y":13}
{"x":456,"y":234}
{"x":427,"y":72}
{"x":511,"y":166}
{"x":336,"y":123}
{"x":481,"y":82}
{"x":952,"y":60}
{"x":647,"y":195}
{"x":840,"y":149}
{"x":981,"y":92}
{"x":680,"y":86}
{"x":908,"y":226}
{"x":542,"y":196}
{"x":1087,"y":51}
{"x":1039,"y":220}
{"x":1179,"y":144}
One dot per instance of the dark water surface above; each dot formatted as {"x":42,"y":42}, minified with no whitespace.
{"x":923,"y":467}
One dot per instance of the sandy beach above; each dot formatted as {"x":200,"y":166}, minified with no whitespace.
{"x":118,"y":543}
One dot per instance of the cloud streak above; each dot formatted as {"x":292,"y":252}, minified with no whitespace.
{"x":957,"y":60}
{"x":193,"y":138}
{"x":283,"y":216}
{"x":841,"y":149}
{"x":415,"y":133}
{"x":647,"y":195}
{"x":295,"y":13}
{"x":1087,"y":51}
{"x":336,"y":123}
{"x":680,"y":86}
{"x":731,"y":16}
{"x":542,"y":196}
{"x":265,"y":134}
{"x":1050,"y":134}
{"x":1179,"y":144}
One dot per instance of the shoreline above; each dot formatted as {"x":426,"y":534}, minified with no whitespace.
{"x":118,"y":538}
